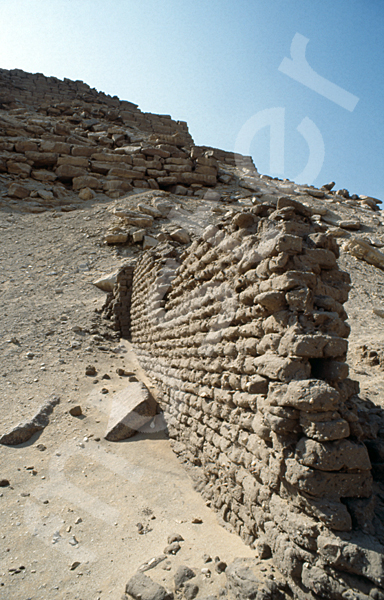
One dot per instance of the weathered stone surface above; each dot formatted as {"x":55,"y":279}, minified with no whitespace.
{"x":68,"y":172}
{"x":17,"y":168}
{"x":107,"y":282}
{"x":333,"y":456}
{"x":135,"y":218}
{"x":310,"y":395}
{"x":280,"y":369}
{"x":16,"y":190}
{"x":364,"y":251}
{"x":181,"y":236}
{"x":182,"y":575}
{"x":324,"y":426}
{"x":25,"y":430}
{"x":131,"y":409}
{"x":80,"y":182}
{"x":44,"y":175}
{"x":141,"y":587}
{"x":322,"y":484}
{"x":42,"y":159}
{"x":363,"y":556}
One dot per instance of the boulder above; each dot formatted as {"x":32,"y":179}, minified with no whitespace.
{"x":132,"y":408}
{"x":25,"y":430}
{"x":141,"y":587}
{"x":107,"y":282}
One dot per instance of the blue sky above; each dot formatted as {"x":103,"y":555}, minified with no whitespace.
{"x":215,"y":64}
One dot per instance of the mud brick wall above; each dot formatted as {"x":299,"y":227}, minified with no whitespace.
{"x":245,"y":336}
{"x":118,"y":303}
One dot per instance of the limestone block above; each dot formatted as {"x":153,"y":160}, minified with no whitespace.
{"x":86,"y":181}
{"x":293,"y":279}
{"x":124,"y":172}
{"x":18,"y":168}
{"x":86,"y":194}
{"x":150,"y":242}
{"x":56,"y":147}
{"x":116,"y":237}
{"x":324,"y":258}
{"x":171,"y":180}
{"x":270,"y":341}
{"x":190,"y":178}
{"x":132,"y":408}
{"x":16,"y":190}
{"x":310,"y":346}
{"x":364,"y":251}
{"x":44,"y":175}
{"x":135,"y":218}
{"x":261,"y":427}
{"x":42,"y":159}
{"x":76,"y":161}
{"x":301,"y":209}
{"x":281,"y":424}
{"x":68,"y":172}
{"x":254,"y":384}
{"x":300,"y":299}
{"x":302,"y":529}
{"x":323,"y":484}
{"x":155,"y":152}
{"x":333,"y":513}
{"x":24,"y":145}
{"x":180,"y":235}
{"x":333,"y":456}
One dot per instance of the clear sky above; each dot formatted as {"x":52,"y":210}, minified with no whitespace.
{"x":219,"y":65}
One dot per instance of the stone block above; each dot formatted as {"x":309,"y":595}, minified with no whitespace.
{"x":141,"y":587}
{"x":68,"y":172}
{"x":44,"y":175}
{"x":24,"y":145}
{"x":132,"y":408}
{"x":86,"y":181}
{"x":42,"y":159}
{"x":17,"y":168}
{"x":76,"y":161}
{"x":16,"y":190}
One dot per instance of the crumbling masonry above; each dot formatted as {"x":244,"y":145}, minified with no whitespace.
{"x":246,"y":339}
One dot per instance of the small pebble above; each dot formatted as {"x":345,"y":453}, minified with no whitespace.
{"x":4,"y":483}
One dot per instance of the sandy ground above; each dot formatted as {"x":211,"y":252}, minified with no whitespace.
{"x":74,"y":497}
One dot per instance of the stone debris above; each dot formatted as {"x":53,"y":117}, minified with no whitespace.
{"x":75,"y":411}
{"x":107,"y":282}
{"x":141,"y":587}
{"x":131,"y":409}
{"x":25,"y":430}
{"x":362,"y":249}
